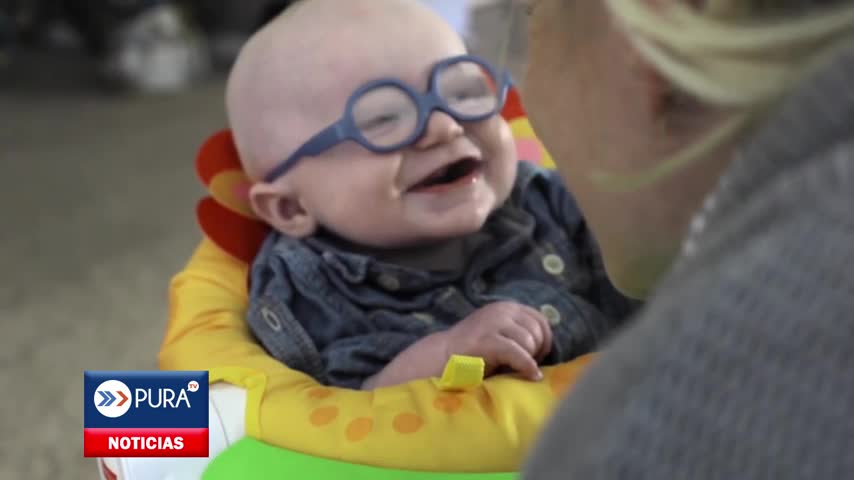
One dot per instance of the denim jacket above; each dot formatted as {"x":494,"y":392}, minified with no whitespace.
{"x":341,"y":317}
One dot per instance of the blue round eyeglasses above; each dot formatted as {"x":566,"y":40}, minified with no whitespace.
{"x":387,"y":114}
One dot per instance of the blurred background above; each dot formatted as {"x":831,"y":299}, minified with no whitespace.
{"x":103,"y":104}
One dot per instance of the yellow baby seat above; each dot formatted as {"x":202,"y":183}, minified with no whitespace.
{"x":463,"y":427}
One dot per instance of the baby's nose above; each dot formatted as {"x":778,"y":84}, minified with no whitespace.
{"x":441,"y":128}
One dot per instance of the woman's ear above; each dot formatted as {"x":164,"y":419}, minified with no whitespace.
{"x":667,"y":103}
{"x":280,"y":207}
{"x":669,"y":106}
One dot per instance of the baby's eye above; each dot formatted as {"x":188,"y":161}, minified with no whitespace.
{"x":469,"y":92}
{"x":380,"y":121}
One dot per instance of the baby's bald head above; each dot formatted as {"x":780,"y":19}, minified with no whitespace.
{"x":294,"y":75}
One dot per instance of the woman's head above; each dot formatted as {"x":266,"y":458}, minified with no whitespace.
{"x":642,"y":103}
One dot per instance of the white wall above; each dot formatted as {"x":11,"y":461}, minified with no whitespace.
{"x":456,"y":12}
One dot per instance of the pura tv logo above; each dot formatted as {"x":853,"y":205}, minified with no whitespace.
{"x":114,"y":399}
{"x":145,"y":414}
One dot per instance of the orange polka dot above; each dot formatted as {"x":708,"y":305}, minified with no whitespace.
{"x":359,"y":428}
{"x":448,"y":403}
{"x":320,"y":393}
{"x":563,"y":377}
{"x":407,"y":423}
{"x":559,"y":382}
{"x":323,"y":416}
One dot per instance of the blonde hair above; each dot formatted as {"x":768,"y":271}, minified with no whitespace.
{"x":729,"y":54}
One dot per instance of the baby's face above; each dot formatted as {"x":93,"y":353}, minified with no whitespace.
{"x":445,"y":185}
{"x":442,"y":186}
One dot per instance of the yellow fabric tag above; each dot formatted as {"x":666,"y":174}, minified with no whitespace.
{"x":462,"y":372}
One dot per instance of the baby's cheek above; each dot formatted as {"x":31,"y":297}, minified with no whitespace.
{"x":503,"y":163}
{"x":374,"y":218}
{"x":494,"y":136}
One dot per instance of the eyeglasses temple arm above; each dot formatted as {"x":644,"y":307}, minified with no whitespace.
{"x":507,"y":85}
{"x":328,"y":137}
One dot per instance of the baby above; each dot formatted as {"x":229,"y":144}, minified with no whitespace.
{"x":405,"y":228}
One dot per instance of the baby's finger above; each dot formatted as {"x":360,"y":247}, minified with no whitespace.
{"x":524,"y":337}
{"x":536,"y":322}
{"x":514,"y":356}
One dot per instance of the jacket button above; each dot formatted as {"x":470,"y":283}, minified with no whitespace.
{"x":389,"y":282}
{"x":553,"y":264}
{"x":271,"y":319}
{"x":424,"y":317}
{"x":551,"y":313}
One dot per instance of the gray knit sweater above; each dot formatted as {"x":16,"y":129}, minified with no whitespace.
{"x":741,"y":366}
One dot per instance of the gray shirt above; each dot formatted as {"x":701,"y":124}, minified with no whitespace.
{"x":742,"y":364}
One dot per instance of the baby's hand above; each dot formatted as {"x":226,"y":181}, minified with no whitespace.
{"x":503,"y":334}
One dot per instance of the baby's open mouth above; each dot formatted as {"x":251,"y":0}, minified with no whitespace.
{"x":460,"y":172}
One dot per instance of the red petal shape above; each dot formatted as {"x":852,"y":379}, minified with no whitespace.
{"x":513,"y":106}
{"x":234,"y":233}
{"x":216,"y":155}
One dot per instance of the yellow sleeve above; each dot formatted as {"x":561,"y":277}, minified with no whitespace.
{"x":207,"y":303}
{"x":206,"y":329}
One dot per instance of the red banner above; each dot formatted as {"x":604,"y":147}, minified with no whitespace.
{"x":145,"y":442}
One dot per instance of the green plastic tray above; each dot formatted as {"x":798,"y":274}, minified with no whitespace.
{"x":250,"y":459}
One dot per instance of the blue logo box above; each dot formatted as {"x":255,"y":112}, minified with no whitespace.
{"x":145,"y":399}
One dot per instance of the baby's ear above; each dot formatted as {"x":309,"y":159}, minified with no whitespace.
{"x":279,"y":207}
